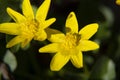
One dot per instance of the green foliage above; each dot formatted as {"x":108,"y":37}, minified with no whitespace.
{"x":3,"y":5}
{"x":0,"y":75}
{"x":10,"y":60}
{"x":117,"y":56}
{"x":15,"y":48}
{"x":103,"y":64}
{"x":104,"y":69}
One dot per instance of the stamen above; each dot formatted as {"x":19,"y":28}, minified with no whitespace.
{"x":29,"y":28}
{"x":71,"y":41}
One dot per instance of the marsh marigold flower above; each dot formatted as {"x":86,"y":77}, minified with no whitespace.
{"x":118,"y":2}
{"x":27,"y":26}
{"x":69,"y":46}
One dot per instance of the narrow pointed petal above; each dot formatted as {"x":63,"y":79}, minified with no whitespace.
{"x":58,"y":61}
{"x":14,"y":41}
{"x":86,"y":45}
{"x":43,"y":10}
{"x":118,"y":2}
{"x":77,"y":60}
{"x":51,"y":48}
{"x":88,"y":31}
{"x":40,"y":35}
{"x":27,"y":9}
{"x":71,"y":23}
{"x":25,"y":42}
{"x":48,"y":22}
{"x":54,"y":35}
{"x":17,"y":17}
{"x":10,"y":28}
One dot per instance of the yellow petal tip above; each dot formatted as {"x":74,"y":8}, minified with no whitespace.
{"x":95,"y":25}
{"x":97,"y":47}
{"x":41,"y":50}
{"x":8,"y":46}
{"x":80,"y":66}
{"x":54,"y":19}
{"x":71,"y":14}
{"x":54,"y":69}
{"x":8,"y":9}
{"x":118,"y":2}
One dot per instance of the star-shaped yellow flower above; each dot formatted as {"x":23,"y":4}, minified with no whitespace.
{"x":118,"y":2}
{"x":69,"y":46}
{"x":27,"y":26}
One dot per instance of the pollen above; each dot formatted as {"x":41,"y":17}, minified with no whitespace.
{"x":29,"y":28}
{"x":71,"y":41}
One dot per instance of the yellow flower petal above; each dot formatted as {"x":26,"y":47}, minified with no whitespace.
{"x":51,"y":48}
{"x":77,"y":60}
{"x":118,"y":2}
{"x":25,"y":42}
{"x":48,"y":23}
{"x":27,"y":9}
{"x":17,"y":17}
{"x":42,"y":11}
{"x":54,"y":35}
{"x":57,"y":37}
{"x":86,"y":45}
{"x":10,"y":28}
{"x":88,"y":31}
{"x":40,"y":35}
{"x":58,"y":61}
{"x":71,"y":23}
{"x":14,"y":41}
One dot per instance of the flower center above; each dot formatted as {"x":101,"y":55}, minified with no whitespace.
{"x":71,"y":41}
{"x":29,"y":28}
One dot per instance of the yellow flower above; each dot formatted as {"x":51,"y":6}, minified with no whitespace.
{"x":27,"y":26}
{"x":69,"y":46}
{"x":118,"y":2}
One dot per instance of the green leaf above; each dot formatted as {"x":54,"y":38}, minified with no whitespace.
{"x":3,"y":14}
{"x":117,"y":55}
{"x":10,"y":59}
{"x":4,"y":17}
{"x":0,"y":75}
{"x":108,"y":15}
{"x":104,"y":69}
{"x":103,"y":32}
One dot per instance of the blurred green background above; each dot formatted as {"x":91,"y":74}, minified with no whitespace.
{"x":101,"y":64}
